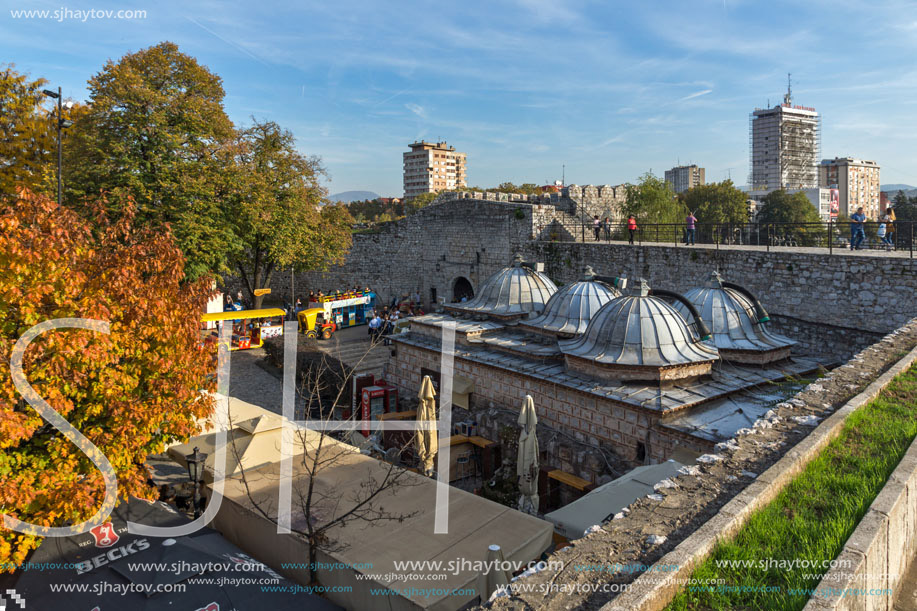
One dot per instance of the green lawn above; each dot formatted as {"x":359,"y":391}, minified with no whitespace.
{"x":813,"y":517}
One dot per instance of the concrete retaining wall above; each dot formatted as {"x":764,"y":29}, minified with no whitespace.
{"x":880,"y":551}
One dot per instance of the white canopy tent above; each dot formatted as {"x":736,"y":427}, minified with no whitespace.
{"x":474,"y":524}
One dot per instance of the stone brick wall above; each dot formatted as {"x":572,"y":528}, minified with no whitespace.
{"x":430,"y":250}
{"x":866,"y":294}
{"x":585,"y":418}
{"x":463,"y":237}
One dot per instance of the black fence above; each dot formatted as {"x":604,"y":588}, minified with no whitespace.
{"x":829,"y":235}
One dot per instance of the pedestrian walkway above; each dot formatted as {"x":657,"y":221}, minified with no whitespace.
{"x":839,"y":251}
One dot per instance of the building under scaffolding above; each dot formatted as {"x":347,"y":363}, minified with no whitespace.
{"x":785,"y":145}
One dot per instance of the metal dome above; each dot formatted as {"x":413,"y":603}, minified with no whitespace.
{"x":639,"y":337}
{"x":514,"y":292}
{"x":732,"y":320}
{"x":570,"y":309}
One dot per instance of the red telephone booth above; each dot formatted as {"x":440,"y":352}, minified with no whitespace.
{"x":377,"y":400}
{"x":360,"y":381}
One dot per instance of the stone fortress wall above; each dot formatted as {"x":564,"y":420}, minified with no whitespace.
{"x":847,"y":297}
{"x":831,"y":304}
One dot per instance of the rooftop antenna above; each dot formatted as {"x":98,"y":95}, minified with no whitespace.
{"x":563,"y":175}
{"x":788,"y":98}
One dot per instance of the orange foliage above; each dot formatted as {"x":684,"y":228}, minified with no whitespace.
{"x":129,"y":392}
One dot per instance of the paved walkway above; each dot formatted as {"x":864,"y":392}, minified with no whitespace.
{"x":840,"y":251}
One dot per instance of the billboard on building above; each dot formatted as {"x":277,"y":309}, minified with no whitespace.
{"x":835,"y":203}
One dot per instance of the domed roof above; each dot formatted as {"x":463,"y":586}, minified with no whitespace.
{"x":570,"y":309}
{"x":731,"y":317}
{"x":515,"y":291}
{"x":638,"y":330}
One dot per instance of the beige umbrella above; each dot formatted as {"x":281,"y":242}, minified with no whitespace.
{"x":527,"y":458}
{"x":427,"y":440}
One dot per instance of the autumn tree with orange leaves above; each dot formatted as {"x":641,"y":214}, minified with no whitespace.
{"x":130,"y":392}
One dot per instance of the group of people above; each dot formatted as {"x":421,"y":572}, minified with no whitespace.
{"x":382,"y":323}
{"x":603,"y":227}
{"x":885,"y":230}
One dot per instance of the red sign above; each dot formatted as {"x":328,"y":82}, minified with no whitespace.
{"x":104,"y":535}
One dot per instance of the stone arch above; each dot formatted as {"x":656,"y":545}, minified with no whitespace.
{"x":461,"y":287}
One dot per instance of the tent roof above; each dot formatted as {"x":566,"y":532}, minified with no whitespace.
{"x":474,"y":523}
{"x":243,"y":314}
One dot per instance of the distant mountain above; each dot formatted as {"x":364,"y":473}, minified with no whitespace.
{"x":895,"y":188}
{"x":352,"y":196}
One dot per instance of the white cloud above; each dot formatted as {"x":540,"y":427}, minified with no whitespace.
{"x":696,"y":94}
{"x":417,"y":109}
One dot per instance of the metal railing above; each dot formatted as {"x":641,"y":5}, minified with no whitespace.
{"x":831,"y":235}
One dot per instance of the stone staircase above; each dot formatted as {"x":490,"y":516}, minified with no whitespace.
{"x":353,"y":347}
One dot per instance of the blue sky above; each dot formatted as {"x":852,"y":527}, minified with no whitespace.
{"x":609,"y":89}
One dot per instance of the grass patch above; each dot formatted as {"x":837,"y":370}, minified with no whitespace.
{"x":811,"y":519}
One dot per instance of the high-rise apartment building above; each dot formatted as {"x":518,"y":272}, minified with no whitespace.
{"x":684,"y":177}
{"x":429,"y":168}
{"x":785,"y":145}
{"x":857,"y":182}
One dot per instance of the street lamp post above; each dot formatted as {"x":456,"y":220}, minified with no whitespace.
{"x":195,"y":462}
{"x":61,"y":125}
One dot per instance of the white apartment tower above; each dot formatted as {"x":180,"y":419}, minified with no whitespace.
{"x":429,"y":168}
{"x":857,"y":182}
{"x":684,"y":177}
{"x":785,"y":145}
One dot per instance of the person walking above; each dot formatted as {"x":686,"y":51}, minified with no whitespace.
{"x":857,"y":229}
{"x":596,"y":226}
{"x":691,"y":229}
{"x":890,"y":226}
{"x":606,"y":229}
{"x":883,"y":233}
{"x":631,"y":227}
{"x":375,"y":325}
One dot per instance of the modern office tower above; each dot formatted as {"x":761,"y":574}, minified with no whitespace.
{"x":785,"y":145}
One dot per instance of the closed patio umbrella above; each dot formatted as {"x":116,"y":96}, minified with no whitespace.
{"x":527,"y":458}
{"x":427,"y":440}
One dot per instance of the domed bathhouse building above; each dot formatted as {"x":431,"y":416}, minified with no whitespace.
{"x":514,"y":293}
{"x":618,"y":380}
{"x":737,"y":322}
{"x":570,"y":309}
{"x":640,"y":337}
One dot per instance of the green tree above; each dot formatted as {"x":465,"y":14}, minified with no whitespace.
{"x":652,"y":200}
{"x":717,"y":202}
{"x":156,"y":130}
{"x":787,"y":215}
{"x":905,"y":207}
{"x":277,"y":215}
{"x":27,"y":135}
{"x":416,"y":203}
